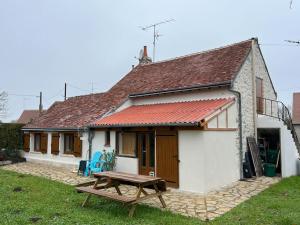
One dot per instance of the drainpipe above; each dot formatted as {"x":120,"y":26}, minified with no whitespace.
{"x":238,"y":94}
{"x":91,"y":135}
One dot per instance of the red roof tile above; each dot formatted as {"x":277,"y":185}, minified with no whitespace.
{"x":204,"y":68}
{"x":72,"y":113}
{"x":296,"y":108}
{"x":28,"y":116}
{"x":179,"y":113}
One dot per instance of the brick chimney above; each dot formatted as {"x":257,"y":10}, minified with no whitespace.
{"x":144,"y":58}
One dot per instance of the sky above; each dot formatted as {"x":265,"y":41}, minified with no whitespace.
{"x":91,"y":44}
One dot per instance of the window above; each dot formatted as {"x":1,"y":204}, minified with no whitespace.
{"x":37,"y":142}
{"x":107,"y":138}
{"x":68,"y":143}
{"x":126,"y":143}
{"x":259,"y":95}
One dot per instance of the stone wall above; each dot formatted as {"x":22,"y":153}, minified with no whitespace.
{"x":245,"y":84}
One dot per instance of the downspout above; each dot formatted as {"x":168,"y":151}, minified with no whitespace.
{"x":254,"y":40}
{"x":91,"y":135}
{"x":238,"y":94}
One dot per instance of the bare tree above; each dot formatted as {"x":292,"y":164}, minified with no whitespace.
{"x":3,"y":104}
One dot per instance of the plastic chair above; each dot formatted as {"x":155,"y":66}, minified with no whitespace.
{"x":95,"y":165}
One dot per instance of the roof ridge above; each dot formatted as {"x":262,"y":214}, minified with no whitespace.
{"x":197,"y":53}
{"x":76,"y":96}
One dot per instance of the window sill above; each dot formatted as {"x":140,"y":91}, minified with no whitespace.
{"x":67,"y":155}
{"x":35,"y":152}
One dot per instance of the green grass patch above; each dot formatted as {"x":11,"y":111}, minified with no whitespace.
{"x":26,"y":199}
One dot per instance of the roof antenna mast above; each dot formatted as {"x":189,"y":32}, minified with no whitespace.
{"x":155,"y":33}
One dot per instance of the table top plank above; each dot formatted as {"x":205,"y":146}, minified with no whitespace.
{"x":138,"y":179}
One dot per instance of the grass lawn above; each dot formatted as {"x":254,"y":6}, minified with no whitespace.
{"x":51,"y":202}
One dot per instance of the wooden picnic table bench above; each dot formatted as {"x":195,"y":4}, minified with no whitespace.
{"x":111,"y":179}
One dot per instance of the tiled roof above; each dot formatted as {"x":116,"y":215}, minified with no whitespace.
{"x":72,"y":113}
{"x":178,"y":113}
{"x":203,"y":68}
{"x":28,"y":116}
{"x":296,"y":108}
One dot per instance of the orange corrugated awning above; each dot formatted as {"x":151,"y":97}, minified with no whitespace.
{"x":164,"y":114}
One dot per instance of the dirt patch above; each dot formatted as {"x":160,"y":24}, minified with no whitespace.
{"x":34,"y":219}
{"x":17,"y":189}
{"x":56,"y":215}
{"x":17,"y":211}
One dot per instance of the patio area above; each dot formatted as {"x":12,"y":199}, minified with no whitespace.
{"x":205,"y":207}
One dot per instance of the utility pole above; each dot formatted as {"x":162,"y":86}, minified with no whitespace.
{"x":155,"y":34}
{"x":65,"y":95}
{"x":41,"y":103}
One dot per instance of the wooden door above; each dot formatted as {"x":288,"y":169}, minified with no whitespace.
{"x":146,"y":153}
{"x":26,"y":142}
{"x":167,"y":157}
{"x":55,"y":144}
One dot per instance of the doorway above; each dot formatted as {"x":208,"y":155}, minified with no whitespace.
{"x":167,"y":157}
{"x":268,"y":141}
{"x":146,"y":153}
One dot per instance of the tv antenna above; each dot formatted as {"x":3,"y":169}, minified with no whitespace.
{"x":293,"y":42}
{"x":156,"y":35}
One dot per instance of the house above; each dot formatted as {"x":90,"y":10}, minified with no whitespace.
{"x":184,"y":119}
{"x":28,"y":116}
{"x":296,"y":112}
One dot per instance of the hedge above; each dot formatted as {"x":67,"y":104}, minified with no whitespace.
{"x":11,"y":136}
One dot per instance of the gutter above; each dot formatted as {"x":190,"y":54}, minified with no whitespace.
{"x":238,"y":94}
{"x":52,"y":129}
{"x":192,"y":124}
{"x":191,"y":88}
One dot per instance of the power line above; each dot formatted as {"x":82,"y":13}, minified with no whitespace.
{"x":23,"y":95}
{"x":59,"y":93}
{"x":277,"y":44}
{"x":78,"y":88}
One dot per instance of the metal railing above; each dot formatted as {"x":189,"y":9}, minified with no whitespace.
{"x":277,"y":109}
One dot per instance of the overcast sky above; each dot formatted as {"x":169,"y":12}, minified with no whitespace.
{"x":44,"y":43}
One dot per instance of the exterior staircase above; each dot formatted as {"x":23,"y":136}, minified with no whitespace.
{"x":277,"y":109}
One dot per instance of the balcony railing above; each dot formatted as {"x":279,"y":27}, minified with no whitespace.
{"x":277,"y":109}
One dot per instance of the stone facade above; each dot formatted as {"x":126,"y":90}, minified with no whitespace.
{"x":245,"y":84}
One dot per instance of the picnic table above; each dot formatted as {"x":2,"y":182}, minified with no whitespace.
{"x":109,"y":179}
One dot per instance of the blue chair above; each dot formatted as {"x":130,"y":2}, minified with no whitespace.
{"x":95,"y":165}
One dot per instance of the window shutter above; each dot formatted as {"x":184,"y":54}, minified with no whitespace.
{"x":44,"y":142}
{"x":77,"y":145}
{"x":26,"y":142}
{"x":55,"y":144}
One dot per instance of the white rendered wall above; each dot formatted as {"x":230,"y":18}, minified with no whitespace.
{"x":208,"y":160}
{"x":123,"y":164}
{"x":98,"y":143}
{"x":127,"y":165}
{"x":226,"y":119}
{"x":289,"y":154}
{"x":184,"y":96}
{"x":61,"y":159}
